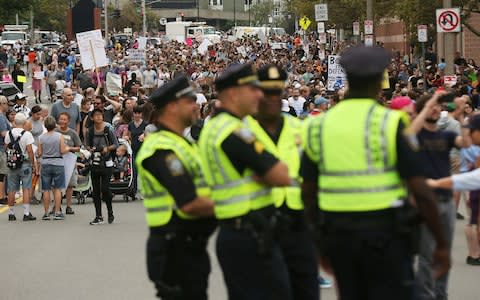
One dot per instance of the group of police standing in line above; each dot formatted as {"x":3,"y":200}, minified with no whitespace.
{"x":284,"y":193}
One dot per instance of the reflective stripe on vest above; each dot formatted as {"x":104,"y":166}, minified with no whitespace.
{"x":158,"y":202}
{"x":234,"y":194}
{"x":354,"y":145}
{"x":288,"y":150}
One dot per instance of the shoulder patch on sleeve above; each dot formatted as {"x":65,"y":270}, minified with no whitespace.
{"x":411,"y":139}
{"x":174,"y":165}
{"x":245,"y":134}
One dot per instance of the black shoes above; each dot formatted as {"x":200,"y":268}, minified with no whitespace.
{"x":473,"y":261}
{"x":12,"y":218}
{"x":97,"y":221}
{"x":30,"y":217}
{"x":110,"y":218}
{"x":460,"y":216}
{"x":69,"y":211}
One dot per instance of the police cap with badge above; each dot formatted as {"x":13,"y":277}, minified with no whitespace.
{"x":173,"y":90}
{"x":272,"y":78}
{"x":361,"y":62}
{"x":237,"y":75}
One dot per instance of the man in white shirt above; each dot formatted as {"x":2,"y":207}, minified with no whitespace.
{"x":149,"y":79}
{"x":296,"y":101}
{"x":22,"y":175}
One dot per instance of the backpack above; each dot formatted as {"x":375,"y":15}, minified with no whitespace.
{"x":14,"y":152}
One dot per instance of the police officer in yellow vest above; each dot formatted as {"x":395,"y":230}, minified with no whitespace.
{"x":281,"y":135}
{"x":178,"y":208}
{"x":241,"y":173}
{"x":357,"y":165}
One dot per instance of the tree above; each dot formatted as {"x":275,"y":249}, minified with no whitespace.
{"x":50,"y":14}
{"x":11,"y":8}
{"x":261,"y":11}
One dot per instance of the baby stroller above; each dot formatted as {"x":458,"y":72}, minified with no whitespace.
{"x":84,"y":181}
{"x":125,"y":186}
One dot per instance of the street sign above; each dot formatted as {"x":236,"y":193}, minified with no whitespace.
{"x":450,"y":80}
{"x":369,"y":40}
{"x":304,"y":22}
{"x":422,"y":33}
{"x":368,"y":27}
{"x":321,"y":12}
{"x":321,"y":27}
{"x":322,"y":38}
{"x":163,"y":21}
{"x":448,"y":20}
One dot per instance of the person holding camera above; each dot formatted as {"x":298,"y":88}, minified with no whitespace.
{"x":101,"y":141}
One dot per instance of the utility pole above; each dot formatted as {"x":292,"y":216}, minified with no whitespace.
{"x":448,"y":45}
{"x":144,"y":17}
{"x":235,"y":12}
{"x":370,"y":16}
{"x":32,"y":29}
{"x":105,"y":12}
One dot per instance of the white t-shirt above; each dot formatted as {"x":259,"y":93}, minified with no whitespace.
{"x":201,"y":99}
{"x":297,"y":104}
{"x":25,"y":140}
{"x":78,"y":99}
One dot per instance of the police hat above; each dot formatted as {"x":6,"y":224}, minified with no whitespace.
{"x":177,"y":88}
{"x":364,"y":62}
{"x":237,"y":75}
{"x":272,"y":77}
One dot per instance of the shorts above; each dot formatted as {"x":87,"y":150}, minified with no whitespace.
{"x":53,"y":177}
{"x":23,"y":175}
{"x":455,"y":165}
{"x":73,"y":179}
{"x":3,"y":163}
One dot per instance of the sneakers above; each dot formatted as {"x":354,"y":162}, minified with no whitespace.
{"x":29,"y":217}
{"x":110,"y":218}
{"x":69,"y":211}
{"x":59,"y":216}
{"x":460,"y":216}
{"x":52,"y":212}
{"x":473,"y":261}
{"x":324,"y":283}
{"x":97,"y":221}
{"x":46,"y":217}
{"x":12,"y":218}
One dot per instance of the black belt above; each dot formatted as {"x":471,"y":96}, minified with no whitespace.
{"x":363,"y":221}
{"x":243,"y":222}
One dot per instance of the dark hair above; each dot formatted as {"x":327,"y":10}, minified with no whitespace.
{"x":64,"y":114}
{"x":101,"y":97}
{"x":97,"y":110}
{"x":138,"y":109}
{"x":420,"y":104}
{"x":36,"y":109}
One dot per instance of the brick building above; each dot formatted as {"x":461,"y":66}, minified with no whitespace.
{"x":391,"y":32}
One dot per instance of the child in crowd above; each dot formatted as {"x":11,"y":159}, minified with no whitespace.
{"x":120,"y":163}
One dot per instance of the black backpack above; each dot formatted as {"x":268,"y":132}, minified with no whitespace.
{"x":106,"y":131}
{"x":14,"y":152}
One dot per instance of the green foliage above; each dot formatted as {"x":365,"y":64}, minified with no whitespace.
{"x":9,"y":8}
{"x":50,"y":14}
{"x":260,"y":12}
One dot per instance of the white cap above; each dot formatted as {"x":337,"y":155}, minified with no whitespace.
{"x":285,"y":106}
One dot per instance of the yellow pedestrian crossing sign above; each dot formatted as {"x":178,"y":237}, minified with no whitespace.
{"x":304,"y":22}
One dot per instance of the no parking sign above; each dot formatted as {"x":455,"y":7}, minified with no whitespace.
{"x":448,"y":20}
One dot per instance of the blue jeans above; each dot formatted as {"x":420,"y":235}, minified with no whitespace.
{"x":23,"y":175}
{"x":428,"y":288}
{"x":53,"y":177}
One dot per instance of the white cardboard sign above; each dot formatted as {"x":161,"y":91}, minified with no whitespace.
{"x":92,"y":49}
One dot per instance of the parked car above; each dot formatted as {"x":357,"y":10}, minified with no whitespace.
{"x":9,"y":90}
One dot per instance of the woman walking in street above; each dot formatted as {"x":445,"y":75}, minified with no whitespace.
{"x":101,"y":141}
{"x":51,"y":147}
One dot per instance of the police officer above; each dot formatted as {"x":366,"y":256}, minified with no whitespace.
{"x":357,"y":157}
{"x":177,"y":199}
{"x":281,"y":135}
{"x":241,"y":173}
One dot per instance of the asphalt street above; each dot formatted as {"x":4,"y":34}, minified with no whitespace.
{"x":71,"y":259}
